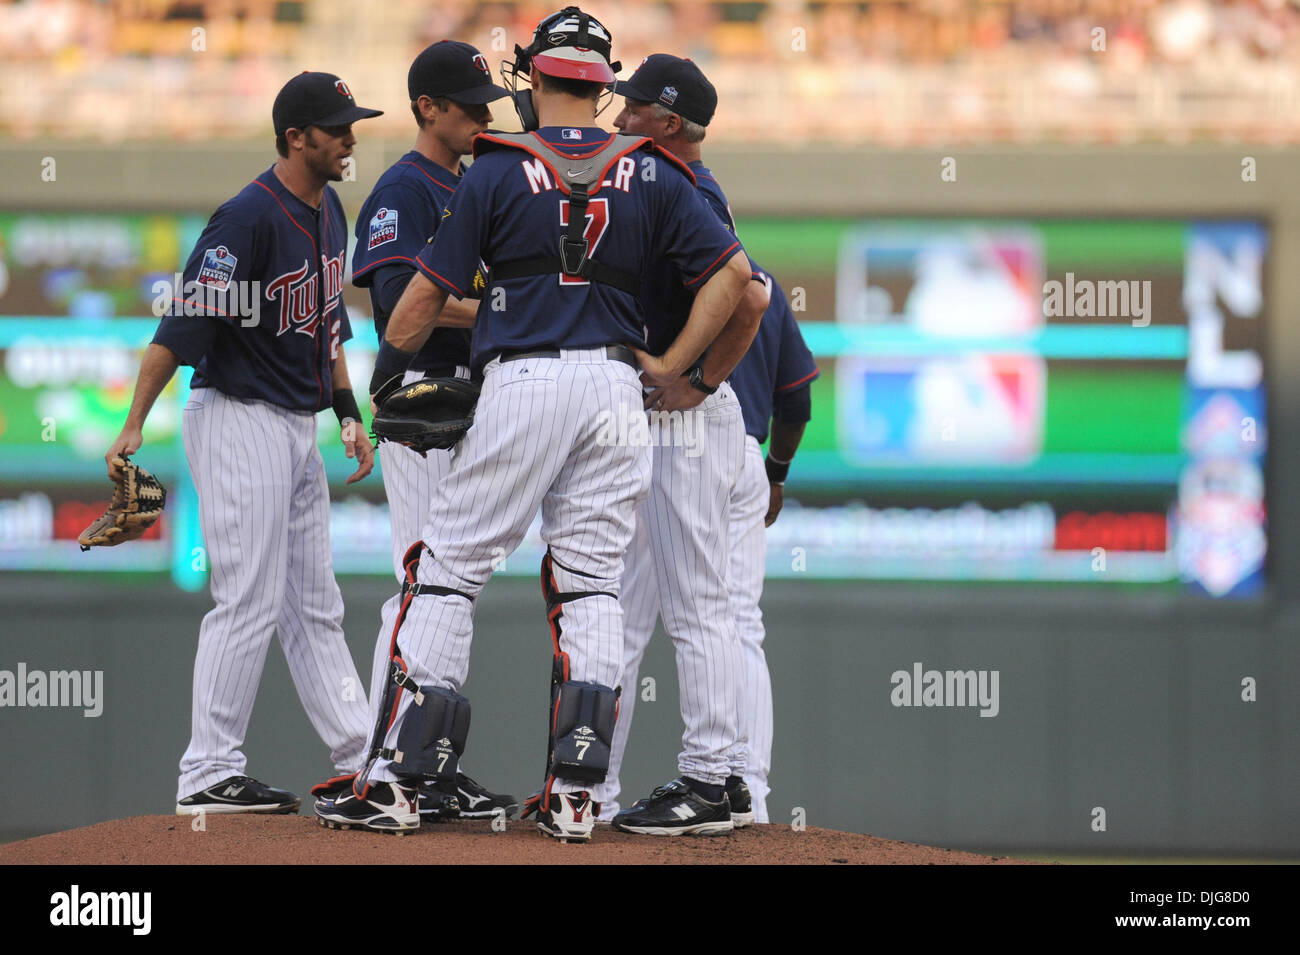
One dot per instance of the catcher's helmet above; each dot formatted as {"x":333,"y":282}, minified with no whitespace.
{"x":570,"y":44}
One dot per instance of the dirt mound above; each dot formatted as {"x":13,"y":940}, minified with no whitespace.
{"x":245,"y":839}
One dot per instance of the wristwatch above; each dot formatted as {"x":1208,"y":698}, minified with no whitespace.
{"x":696,"y":380}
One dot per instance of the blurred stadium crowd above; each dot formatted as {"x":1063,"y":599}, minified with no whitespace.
{"x":892,"y":72}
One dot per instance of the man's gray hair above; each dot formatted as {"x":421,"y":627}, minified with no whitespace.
{"x":692,"y":132}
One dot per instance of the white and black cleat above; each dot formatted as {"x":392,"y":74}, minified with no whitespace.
{"x":570,"y":817}
{"x":388,"y":808}
{"x":239,"y":794}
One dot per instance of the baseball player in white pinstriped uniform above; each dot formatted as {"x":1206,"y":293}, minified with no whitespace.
{"x":559,"y":362}
{"x":250,"y":438}
{"x":449,"y":87}
{"x":773,"y":381}
{"x":677,"y":565}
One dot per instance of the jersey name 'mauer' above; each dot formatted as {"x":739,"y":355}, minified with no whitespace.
{"x":509,"y":206}
{"x":270,"y":318}
{"x":540,"y":179}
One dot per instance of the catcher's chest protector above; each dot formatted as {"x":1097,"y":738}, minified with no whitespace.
{"x":580,"y":177}
{"x":586,"y":170}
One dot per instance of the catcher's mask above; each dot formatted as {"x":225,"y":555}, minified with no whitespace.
{"x":569,"y":44}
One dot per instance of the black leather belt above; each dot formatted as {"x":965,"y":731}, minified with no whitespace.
{"x":612,"y":352}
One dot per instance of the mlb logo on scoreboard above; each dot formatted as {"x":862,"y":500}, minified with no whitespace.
{"x":383,"y":228}
{"x":218,"y":268}
{"x":923,"y":410}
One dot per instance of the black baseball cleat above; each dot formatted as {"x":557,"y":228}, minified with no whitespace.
{"x":742,"y":805}
{"x":436,"y":804}
{"x":676,"y":810}
{"x":464,"y":799}
{"x":478,"y":803}
{"x":387,"y":807}
{"x":239,"y":794}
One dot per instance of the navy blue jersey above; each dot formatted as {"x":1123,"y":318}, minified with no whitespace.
{"x":249,"y":319}
{"x":397,"y":220}
{"x":777,"y":364}
{"x":708,"y":185}
{"x":508,"y":207}
{"x":665,"y":300}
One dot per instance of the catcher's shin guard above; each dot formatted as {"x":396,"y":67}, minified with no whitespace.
{"x":582,"y":715}
{"x":432,"y":738}
{"x":440,"y":711}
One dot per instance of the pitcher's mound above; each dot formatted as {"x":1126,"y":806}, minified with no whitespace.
{"x":247,"y":839}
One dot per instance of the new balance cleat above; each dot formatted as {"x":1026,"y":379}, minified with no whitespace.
{"x":676,"y":810}
{"x":239,"y":794}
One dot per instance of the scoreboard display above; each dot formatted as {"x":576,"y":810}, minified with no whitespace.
{"x":1071,"y":401}
{"x":1054,"y":400}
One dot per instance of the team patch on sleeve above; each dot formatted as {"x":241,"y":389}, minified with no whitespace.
{"x":218,"y":268}
{"x":383,"y":228}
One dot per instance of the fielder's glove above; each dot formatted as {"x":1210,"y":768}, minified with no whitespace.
{"x":429,"y":414}
{"x":138,"y":499}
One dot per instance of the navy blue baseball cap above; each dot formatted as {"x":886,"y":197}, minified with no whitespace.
{"x":316,"y":99}
{"x":674,"y":83}
{"x":455,"y":70}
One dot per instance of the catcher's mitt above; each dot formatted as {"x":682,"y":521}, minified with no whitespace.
{"x":138,"y":499}
{"x":429,"y":414}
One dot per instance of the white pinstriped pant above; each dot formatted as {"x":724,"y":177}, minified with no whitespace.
{"x":264,"y":511}
{"x":409,"y":480}
{"x":749,"y":503}
{"x":538,"y":439}
{"x":677,"y":567}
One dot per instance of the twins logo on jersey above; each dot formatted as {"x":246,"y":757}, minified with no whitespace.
{"x":296,"y":293}
{"x":218,"y":268}
{"x":383,"y":228}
